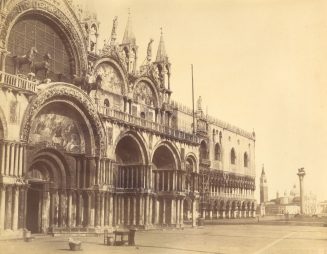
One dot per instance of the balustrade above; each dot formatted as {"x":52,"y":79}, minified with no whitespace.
{"x":17,"y":82}
{"x":125,"y":117}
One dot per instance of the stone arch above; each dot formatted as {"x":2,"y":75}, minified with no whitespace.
{"x":139,"y":141}
{"x":204,"y":150}
{"x":123,"y":74}
{"x":79,"y":101}
{"x":148,"y":81}
{"x":192,"y":158}
{"x":57,"y":167}
{"x":60,"y":16}
{"x":3,"y":125}
{"x":172,"y":149}
{"x":217,"y":152}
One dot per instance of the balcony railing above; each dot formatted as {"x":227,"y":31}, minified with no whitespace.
{"x":17,"y":82}
{"x":146,"y":124}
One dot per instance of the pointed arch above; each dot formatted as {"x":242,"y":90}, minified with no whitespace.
{"x":217,"y":152}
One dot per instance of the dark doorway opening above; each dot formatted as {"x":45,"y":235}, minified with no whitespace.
{"x":33,"y":213}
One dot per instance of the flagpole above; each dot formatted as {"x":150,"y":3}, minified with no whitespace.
{"x":193,"y":99}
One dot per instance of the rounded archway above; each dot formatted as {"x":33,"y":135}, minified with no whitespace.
{"x":49,"y":177}
{"x":63,"y":109}
{"x":168,"y":179}
{"x":132,"y":179}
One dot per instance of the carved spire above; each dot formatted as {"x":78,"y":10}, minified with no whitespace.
{"x":129,"y":37}
{"x":263,"y":170}
{"x":161,"y":53}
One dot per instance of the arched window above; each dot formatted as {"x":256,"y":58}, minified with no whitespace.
{"x":232,"y":156}
{"x":246,"y":160}
{"x":106,"y":103}
{"x":204,"y":153}
{"x":217,"y":152}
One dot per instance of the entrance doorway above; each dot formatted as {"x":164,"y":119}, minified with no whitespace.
{"x":34,"y":210}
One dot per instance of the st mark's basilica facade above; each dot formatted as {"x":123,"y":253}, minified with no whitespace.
{"x":89,"y":141}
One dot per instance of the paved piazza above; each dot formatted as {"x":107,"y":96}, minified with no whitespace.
{"x":210,"y":239}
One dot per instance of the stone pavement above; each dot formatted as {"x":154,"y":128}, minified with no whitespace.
{"x":244,"y":239}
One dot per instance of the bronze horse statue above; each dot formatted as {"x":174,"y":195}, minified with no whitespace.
{"x":44,"y":65}
{"x":25,"y":59}
{"x":84,"y":82}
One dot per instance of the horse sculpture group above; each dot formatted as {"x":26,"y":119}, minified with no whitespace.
{"x":85,"y":82}
{"x":34,"y":67}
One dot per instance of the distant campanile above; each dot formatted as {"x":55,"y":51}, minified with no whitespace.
{"x":263,"y":186}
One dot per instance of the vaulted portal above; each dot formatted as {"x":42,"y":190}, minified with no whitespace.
{"x":169,"y":183}
{"x":132,"y":182}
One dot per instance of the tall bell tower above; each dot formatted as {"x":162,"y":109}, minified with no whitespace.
{"x":263,"y":186}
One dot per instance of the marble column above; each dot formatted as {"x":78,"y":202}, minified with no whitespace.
{"x":150,"y":210}
{"x":3,"y":158}
{"x":69,"y":208}
{"x":122,"y":210}
{"x":97,"y":209}
{"x":163,"y":211}
{"x":156,"y":211}
{"x":2,"y":207}
{"x":182,"y":213}
{"x":7,"y":168}
{"x":194,"y":213}
{"x":15,"y":208}
{"x":21,"y":160}
{"x":134,"y":210}
{"x":111,"y":204}
{"x":141,"y":210}
{"x":175,"y":211}
{"x":103,"y":200}
{"x":301,"y":174}
{"x":8,"y":220}
{"x":12,"y":159}
{"x":118,"y":210}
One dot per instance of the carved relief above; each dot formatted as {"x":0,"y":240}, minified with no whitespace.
{"x":14,"y":112}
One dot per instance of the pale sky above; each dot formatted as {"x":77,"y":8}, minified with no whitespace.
{"x":257,"y":64}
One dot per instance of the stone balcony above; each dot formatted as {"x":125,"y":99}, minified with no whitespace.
{"x":16,"y":82}
{"x":141,"y":123}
